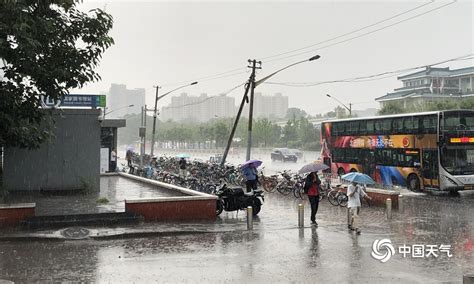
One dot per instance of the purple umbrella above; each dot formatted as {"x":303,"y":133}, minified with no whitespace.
{"x":256,"y":162}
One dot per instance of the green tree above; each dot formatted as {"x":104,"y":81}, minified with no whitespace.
{"x":289,"y":133}
{"x":47,"y":48}
{"x":392,"y":108}
{"x":295,"y":113}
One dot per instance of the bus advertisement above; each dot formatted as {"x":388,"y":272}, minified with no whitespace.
{"x":430,"y":150}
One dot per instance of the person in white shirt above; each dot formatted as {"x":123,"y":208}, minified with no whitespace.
{"x":113,"y":160}
{"x":355,"y":193}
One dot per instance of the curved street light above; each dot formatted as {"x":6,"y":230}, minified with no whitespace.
{"x":348,"y":108}
{"x":105,"y":113}
{"x":155,"y":111}
{"x":252,"y":84}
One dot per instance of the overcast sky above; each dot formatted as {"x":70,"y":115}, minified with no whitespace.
{"x":169,"y":43}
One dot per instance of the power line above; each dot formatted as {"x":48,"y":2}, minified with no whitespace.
{"x":241,"y":69}
{"x":351,"y":32}
{"x":364,"y":34}
{"x":378,"y":76}
{"x":221,"y":75}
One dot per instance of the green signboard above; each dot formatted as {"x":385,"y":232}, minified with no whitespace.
{"x":102,"y":101}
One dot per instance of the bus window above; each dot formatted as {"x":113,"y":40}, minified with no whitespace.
{"x":387,"y":126}
{"x":378,"y":127}
{"x":354,"y":127}
{"x":370,"y":127}
{"x":339,"y":129}
{"x":415,"y":125}
{"x":363,"y":127}
{"x":408,"y":124}
{"x":397,"y":125}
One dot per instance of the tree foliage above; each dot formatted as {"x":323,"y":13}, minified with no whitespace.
{"x":47,"y":48}
{"x":296,"y":134}
{"x":458,"y":103}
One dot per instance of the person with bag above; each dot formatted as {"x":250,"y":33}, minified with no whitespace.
{"x":355,"y":193}
{"x":311,"y":188}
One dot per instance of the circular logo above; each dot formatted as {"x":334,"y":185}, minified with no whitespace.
{"x":382,"y":250}
{"x":406,"y":142}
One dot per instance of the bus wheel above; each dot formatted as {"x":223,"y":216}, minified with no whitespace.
{"x":353,"y":170}
{"x":413,"y":182}
{"x":340,"y":171}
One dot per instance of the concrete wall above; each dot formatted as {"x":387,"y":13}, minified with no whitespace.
{"x":70,"y":161}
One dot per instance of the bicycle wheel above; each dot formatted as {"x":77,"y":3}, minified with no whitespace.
{"x":296,"y":191}
{"x":283,"y":188}
{"x":342,"y":199}
{"x":270,"y":185}
{"x":332,"y":198}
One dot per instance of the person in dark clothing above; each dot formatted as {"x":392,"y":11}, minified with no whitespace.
{"x":128,"y":157}
{"x":311,"y":188}
{"x":251,"y":175}
{"x":182,"y":167}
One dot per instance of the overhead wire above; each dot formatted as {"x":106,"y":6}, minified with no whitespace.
{"x":364,"y":34}
{"x":351,"y":32}
{"x":373,"y":77}
{"x":241,"y":69}
{"x":206,"y":99}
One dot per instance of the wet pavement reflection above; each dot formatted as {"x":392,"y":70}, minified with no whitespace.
{"x":275,"y":251}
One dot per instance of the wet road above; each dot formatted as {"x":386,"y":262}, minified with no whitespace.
{"x":276,"y":250}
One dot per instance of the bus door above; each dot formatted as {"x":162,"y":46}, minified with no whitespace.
{"x":430,"y":168}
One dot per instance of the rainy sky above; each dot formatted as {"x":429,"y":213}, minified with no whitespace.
{"x":170,"y":43}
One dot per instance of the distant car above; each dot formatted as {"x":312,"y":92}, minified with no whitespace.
{"x":216,"y":159}
{"x":297,"y":152}
{"x":283,"y":154}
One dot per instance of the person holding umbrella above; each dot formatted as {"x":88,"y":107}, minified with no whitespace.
{"x":312,"y":184}
{"x":311,"y":188}
{"x":355,"y":192}
{"x":249,"y":170}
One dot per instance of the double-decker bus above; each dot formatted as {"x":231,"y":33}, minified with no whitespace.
{"x":428,"y":150}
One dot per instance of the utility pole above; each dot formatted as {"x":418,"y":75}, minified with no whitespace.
{"x":252,"y":84}
{"x":142,"y":143}
{"x":245,"y":99}
{"x":252,"y":90}
{"x":154,"y":122}
{"x":236,"y":122}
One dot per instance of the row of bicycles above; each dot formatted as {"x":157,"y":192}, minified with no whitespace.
{"x":199,"y":176}
{"x":287,"y":183}
{"x":206,"y":177}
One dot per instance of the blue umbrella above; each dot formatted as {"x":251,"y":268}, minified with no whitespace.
{"x":256,"y":162}
{"x":358,"y":178}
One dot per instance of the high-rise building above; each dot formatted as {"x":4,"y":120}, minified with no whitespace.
{"x":204,"y":108}
{"x":272,"y":107}
{"x":199,"y":109}
{"x":120,"y":98}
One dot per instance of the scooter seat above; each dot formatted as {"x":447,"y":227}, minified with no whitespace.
{"x":237,"y":191}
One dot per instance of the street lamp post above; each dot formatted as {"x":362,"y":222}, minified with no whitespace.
{"x":105,"y":113}
{"x":348,"y":108}
{"x":252,"y":84}
{"x":155,"y":111}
